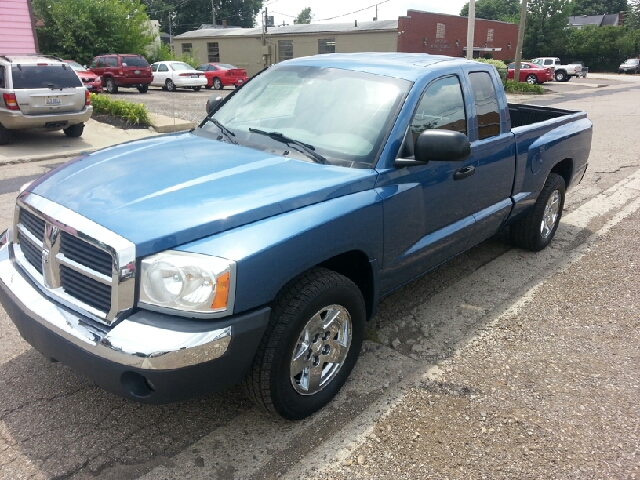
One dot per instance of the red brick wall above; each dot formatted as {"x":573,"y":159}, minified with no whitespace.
{"x":418,"y":31}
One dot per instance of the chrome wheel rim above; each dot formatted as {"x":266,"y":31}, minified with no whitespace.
{"x":550,"y":217}
{"x":531,"y":80}
{"x":321,"y":350}
{"x":216,"y":84}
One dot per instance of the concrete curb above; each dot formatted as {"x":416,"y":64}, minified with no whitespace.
{"x":164,"y":124}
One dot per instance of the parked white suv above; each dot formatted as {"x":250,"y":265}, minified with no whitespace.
{"x":41,"y":92}
{"x":562,"y":72}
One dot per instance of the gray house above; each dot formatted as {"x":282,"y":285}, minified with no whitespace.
{"x":613,"y":19}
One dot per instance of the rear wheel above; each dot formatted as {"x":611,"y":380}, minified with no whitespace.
{"x":5,"y":136}
{"x":560,"y":76}
{"x":74,"y":130}
{"x":170,"y":85}
{"x":110,"y":86}
{"x":217,"y":84}
{"x":535,"y":231}
{"x":143,"y":88}
{"x":310,"y":346}
{"x":531,"y":79}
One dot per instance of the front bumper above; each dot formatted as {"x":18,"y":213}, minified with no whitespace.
{"x":148,"y":357}
{"x":17,"y":120}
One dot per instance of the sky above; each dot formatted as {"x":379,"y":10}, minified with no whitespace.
{"x":324,"y":10}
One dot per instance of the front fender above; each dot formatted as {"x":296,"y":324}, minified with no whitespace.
{"x":273,"y":251}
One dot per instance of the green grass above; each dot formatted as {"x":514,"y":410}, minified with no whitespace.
{"x":522,"y":87}
{"x":134,"y":113}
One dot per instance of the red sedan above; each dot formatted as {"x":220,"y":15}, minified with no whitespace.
{"x":90,"y":80}
{"x":530,"y":73}
{"x":219,"y":75}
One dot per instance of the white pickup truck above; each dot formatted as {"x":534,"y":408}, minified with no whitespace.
{"x":562,"y":72}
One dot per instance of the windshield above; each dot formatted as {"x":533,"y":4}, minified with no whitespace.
{"x":225,"y":66}
{"x":343,"y":115}
{"x":76,"y":66}
{"x":632,"y":61}
{"x":180,"y":66}
{"x":44,"y":76}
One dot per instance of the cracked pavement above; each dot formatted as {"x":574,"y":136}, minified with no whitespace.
{"x":456,"y":336}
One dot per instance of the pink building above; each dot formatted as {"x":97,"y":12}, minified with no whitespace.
{"x":17,"y":27}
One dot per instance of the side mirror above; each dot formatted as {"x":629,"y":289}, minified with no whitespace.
{"x":433,"y":145}
{"x":213,"y":102}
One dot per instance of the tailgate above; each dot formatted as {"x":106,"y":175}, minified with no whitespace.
{"x":46,"y":101}
{"x":143,"y":73}
{"x":237,"y":72}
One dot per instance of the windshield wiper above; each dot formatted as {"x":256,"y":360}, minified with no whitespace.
{"x":225,"y":131}
{"x":308,"y":150}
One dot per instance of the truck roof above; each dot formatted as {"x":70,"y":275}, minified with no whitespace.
{"x":408,"y":66}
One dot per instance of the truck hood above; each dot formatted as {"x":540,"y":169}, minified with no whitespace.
{"x":169,"y":190}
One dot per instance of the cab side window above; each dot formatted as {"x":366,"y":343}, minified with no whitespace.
{"x":1,"y":76}
{"x":487,"y":109}
{"x":112,"y":61}
{"x":162,"y":68}
{"x":441,"y":107}
{"x":101,"y":62}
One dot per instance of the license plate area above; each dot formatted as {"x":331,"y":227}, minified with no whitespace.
{"x":52,"y":100}
{"x":195,"y":76}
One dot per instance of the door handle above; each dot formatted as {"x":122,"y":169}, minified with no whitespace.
{"x":464,"y":172}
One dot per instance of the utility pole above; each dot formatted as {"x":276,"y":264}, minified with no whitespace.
{"x":471,"y":26}
{"x":213,"y":14}
{"x":170,"y":35}
{"x":523,"y":17}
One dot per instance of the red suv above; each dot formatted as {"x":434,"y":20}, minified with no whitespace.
{"x":122,"y":70}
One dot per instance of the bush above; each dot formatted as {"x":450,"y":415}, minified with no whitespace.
{"x":134,"y":113}
{"x":522,"y":87}
{"x":499,"y":64}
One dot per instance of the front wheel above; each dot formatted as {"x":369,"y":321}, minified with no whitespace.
{"x":170,"y":85}
{"x":531,"y":79}
{"x":535,"y":231}
{"x":217,"y":84}
{"x":110,"y":86}
{"x":310,"y":346}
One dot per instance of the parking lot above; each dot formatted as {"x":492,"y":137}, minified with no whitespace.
{"x":498,"y":364}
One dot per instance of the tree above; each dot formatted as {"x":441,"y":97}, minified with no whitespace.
{"x":305,"y":16}
{"x":505,"y":10}
{"x":82,"y":29}
{"x":602,"y":48}
{"x":546,"y":28}
{"x":632,"y":19}
{"x":190,"y":14}
{"x":598,"y":7}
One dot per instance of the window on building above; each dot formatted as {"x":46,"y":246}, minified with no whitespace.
{"x":186,"y":48}
{"x":285,"y":50}
{"x":327,"y":45}
{"x":213,"y":51}
{"x":441,"y":107}
{"x":440,"y":30}
{"x":490,"y":35}
{"x":487,"y":109}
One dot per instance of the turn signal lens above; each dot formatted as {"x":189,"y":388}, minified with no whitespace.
{"x":222,"y":292}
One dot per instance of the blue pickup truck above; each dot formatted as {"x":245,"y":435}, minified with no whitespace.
{"x":255,"y":247}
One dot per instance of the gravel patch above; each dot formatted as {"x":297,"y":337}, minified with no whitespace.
{"x":549,"y":392}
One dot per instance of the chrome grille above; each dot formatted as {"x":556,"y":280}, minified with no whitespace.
{"x":74,"y":260}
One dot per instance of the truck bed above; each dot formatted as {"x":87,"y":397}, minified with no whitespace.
{"x":529,"y":114}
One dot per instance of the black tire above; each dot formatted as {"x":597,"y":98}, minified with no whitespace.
{"x":143,"y":88}
{"x":208,"y":87}
{"x":534,"y":232}
{"x":531,"y":79}
{"x":170,"y":85}
{"x":110,"y":85}
{"x":196,"y":89}
{"x":217,"y":84}
{"x":74,"y":131}
{"x":561,"y":76}
{"x":270,"y":382}
{"x":5,"y":136}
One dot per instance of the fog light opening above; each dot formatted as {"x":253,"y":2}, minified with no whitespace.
{"x":137,"y":385}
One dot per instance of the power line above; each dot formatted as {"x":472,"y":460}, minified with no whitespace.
{"x":350,"y":13}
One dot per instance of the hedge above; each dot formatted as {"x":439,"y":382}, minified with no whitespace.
{"x":134,"y":113}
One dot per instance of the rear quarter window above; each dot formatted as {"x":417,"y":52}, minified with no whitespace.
{"x":44,"y":76}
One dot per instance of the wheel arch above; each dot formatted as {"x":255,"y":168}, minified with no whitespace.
{"x":564,"y":168}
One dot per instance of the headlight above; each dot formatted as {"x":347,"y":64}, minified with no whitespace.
{"x":189,"y":282}
{"x":98,"y":79}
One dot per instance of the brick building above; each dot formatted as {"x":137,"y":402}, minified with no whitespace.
{"x":441,"y":34}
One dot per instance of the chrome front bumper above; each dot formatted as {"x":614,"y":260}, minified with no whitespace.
{"x":132,"y":343}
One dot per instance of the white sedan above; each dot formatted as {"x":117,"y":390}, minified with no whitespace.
{"x":171,"y":75}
